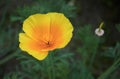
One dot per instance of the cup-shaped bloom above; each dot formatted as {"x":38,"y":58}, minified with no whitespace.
{"x":99,"y":32}
{"x":45,"y":32}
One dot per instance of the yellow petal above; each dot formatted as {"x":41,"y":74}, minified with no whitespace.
{"x":37,"y":26}
{"x":60,"y":29}
{"x":27,"y":43}
{"x":31,"y":47}
{"x":39,"y":55}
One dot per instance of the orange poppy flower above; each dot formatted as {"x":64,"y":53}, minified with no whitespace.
{"x":45,"y":32}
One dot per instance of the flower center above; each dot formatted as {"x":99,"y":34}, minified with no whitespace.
{"x":48,"y":44}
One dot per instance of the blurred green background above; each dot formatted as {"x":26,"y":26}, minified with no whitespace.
{"x":87,"y":56}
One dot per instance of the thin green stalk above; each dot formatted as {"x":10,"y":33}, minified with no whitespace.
{"x":101,"y":25}
{"x":110,"y":70}
{"x":52,"y":65}
{"x":50,"y":70}
{"x":91,"y":63}
{"x":94,"y":52}
{"x":92,"y":59}
{"x":49,"y":74}
{"x":7,"y":58}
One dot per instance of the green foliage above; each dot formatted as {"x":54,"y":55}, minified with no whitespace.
{"x":112,"y":52}
{"x":15,"y":75}
{"x":87,"y":50}
{"x":45,"y":6}
{"x":8,"y":40}
{"x":52,"y":67}
{"x":89,"y":42}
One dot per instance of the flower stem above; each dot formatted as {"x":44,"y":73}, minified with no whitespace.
{"x":52,"y":65}
{"x":51,"y":71}
{"x":101,"y":25}
{"x":110,"y":70}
